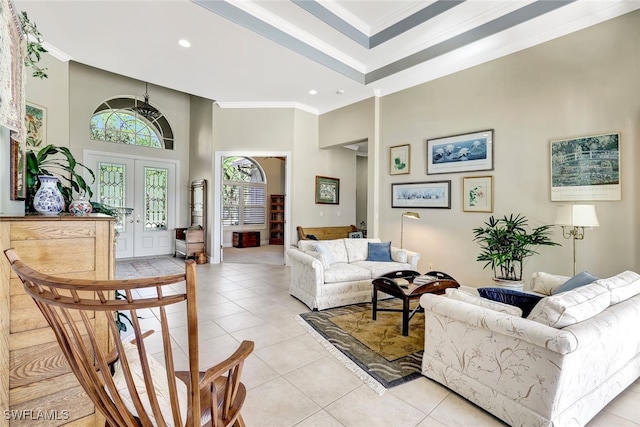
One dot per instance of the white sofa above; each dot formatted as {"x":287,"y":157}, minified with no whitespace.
{"x":344,"y":277}
{"x":528,"y":373}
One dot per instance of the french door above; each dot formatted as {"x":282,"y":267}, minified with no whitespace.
{"x":143,"y":191}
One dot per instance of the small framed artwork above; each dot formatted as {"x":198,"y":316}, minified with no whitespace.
{"x":586,"y":168}
{"x":36,"y":124}
{"x":460,"y":153}
{"x":477,"y":193}
{"x":356,"y":235}
{"x":399,"y":159}
{"x":18,"y":160}
{"x":434,"y":194}
{"x":327,"y":190}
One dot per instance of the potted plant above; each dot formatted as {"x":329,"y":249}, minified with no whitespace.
{"x":507,"y":242}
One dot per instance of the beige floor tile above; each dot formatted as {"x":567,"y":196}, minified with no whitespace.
{"x":324,"y":381}
{"x":222,"y":310}
{"x":607,"y":419}
{"x":320,"y":419}
{"x":277,"y":404}
{"x":455,"y":411}
{"x":422,"y":393}
{"x":256,"y":372}
{"x":364,"y":408}
{"x":289,"y":355}
{"x":239,"y":321}
{"x":626,"y":405}
{"x":262,"y":335}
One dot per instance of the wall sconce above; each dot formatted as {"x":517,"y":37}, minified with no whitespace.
{"x":413,"y":215}
{"x":573,"y":220}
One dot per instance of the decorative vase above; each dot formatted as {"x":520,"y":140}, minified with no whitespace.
{"x":48,"y":199}
{"x":80,"y":207}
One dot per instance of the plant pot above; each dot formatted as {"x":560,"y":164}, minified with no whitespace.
{"x":48,"y":199}
{"x":509,"y":284}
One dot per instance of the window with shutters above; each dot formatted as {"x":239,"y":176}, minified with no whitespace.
{"x":244,"y":194}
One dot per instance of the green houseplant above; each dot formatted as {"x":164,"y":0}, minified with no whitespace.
{"x":506,"y":243}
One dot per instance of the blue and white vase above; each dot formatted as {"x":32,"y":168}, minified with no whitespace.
{"x":48,"y":199}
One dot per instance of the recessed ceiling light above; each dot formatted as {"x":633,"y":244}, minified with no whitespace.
{"x":184,"y":43}
{"x":340,"y":91}
{"x":313,"y":92}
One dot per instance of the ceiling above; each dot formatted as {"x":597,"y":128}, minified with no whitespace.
{"x":263,"y":53}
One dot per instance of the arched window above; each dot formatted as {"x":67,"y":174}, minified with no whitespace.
{"x":131,"y":121}
{"x":244,"y":189}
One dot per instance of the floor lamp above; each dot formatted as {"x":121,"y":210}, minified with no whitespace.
{"x":414,"y":215}
{"x":573,"y":220}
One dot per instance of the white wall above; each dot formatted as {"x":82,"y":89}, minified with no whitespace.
{"x":583,"y":84}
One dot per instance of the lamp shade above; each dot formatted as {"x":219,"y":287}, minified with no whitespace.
{"x":577,"y":216}
{"x":414,"y":215}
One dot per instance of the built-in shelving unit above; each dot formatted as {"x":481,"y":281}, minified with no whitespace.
{"x":276,"y":220}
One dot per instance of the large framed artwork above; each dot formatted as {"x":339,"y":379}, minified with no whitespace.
{"x":36,"y":124}
{"x":477,"y":194}
{"x":18,"y":160}
{"x":586,"y":168}
{"x":460,"y":153}
{"x":327,"y":190}
{"x":399,"y":159}
{"x":433,"y":194}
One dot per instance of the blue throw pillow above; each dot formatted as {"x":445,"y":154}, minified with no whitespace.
{"x":576,"y":281}
{"x":524,"y":300}
{"x":379,"y":251}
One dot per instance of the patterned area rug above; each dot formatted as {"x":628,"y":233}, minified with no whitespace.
{"x":148,"y":267}
{"x":375,"y":350}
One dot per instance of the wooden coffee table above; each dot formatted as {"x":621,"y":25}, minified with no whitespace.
{"x":389,"y":284}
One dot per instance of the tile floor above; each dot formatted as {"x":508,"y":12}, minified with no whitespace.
{"x":294,"y":381}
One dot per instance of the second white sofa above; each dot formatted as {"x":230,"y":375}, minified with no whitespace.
{"x":341,"y":275}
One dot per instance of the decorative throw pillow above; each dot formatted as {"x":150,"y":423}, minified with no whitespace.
{"x":325,"y":251}
{"x":622,"y":286}
{"x":379,"y":251}
{"x":544,"y":283}
{"x":524,"y":300}
{"x":576,"y":281}
{"x":567,"y":308}
{"x":399,"y":255}
{"x":483,"y":302}
{"x":160,"y":384}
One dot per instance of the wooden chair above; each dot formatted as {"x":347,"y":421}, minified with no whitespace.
{"x":128,"y":386}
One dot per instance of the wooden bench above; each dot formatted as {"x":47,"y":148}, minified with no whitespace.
{"x":326,"y":233}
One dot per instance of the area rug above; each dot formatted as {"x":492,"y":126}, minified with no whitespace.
{"x":134,"y":268}
{"x":375,"y":350}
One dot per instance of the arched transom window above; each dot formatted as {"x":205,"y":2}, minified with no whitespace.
{"x":131,"y":121}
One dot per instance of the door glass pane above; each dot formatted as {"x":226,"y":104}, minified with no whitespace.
{"x":155,"y":206}
{"x":112,"y":190}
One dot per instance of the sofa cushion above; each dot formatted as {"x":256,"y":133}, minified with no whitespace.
{"x":379,"y":251}
{"x":544,"y":283}
{"x":399,"y":255}
{"x":338,"y":249}
{"x":358,"y":249}
{"x":378,"y":268}
{"x":307,"y":245}
{"x":622,"y":286}
{"x":571,"y":307}
{"x":326,"y":252}
{"x":459,"y":295}
{"x":344,"y":272}
{"x":522,"y":300}
{"x":580,"y":279}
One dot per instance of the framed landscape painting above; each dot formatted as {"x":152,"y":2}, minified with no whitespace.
{"x":36,"y":124}
{"x":327,"y":190}
{"x":400,"y":158}
{"x":586,"y":168}
{"x":434,"y":194}
{"x":460,"y":153}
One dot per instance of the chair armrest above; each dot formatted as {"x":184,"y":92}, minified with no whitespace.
{"x":556,"y":340}
{"x":227,"y":365}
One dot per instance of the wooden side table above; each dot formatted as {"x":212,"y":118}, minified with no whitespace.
{"x":389,"y":284}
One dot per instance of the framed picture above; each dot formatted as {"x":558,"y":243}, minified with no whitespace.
{"x":36,"y":124}
{"x":586,"y":168}
{"x":356,"y":235}
{"x":460,"y":153}
{"x":399,"y":159}
{"x":477,"y":194}
{"x":434,"y":194}
{"x":327,"y":190}
{"x":18,"y":160}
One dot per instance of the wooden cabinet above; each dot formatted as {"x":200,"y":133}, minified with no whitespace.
{"x":35,"y":374}
{"x":246,"y":239}
{"x":276,"y":220}
{"x":189,"y":241}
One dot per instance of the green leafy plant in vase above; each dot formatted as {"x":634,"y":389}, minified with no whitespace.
{"x":507,"y":242}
